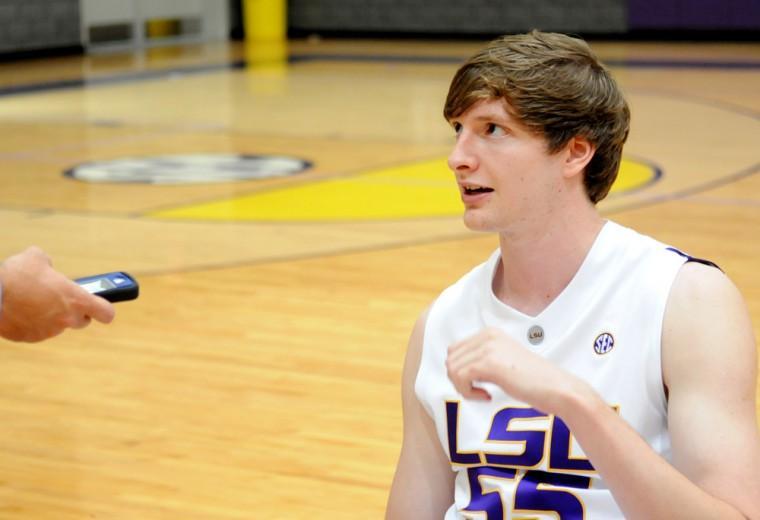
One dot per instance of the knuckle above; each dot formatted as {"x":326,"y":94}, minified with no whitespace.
{"x":37,"y":252}
{"x":65,"y":321}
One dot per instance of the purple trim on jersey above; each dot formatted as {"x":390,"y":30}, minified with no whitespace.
{"x":690,"y":258}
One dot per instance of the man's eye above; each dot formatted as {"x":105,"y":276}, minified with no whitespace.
{"x":457,"y":127}
{"x":492,"y":129}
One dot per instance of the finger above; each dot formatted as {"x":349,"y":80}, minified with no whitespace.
{"x":39,"y":254}
{"x":481,"y":337}
{"x":464,"y":360}
{"x":463,"y":348}
{"x":100,"y":309}
{"x":477,"y":393}
{"x":80,"y":322}
{"x":469,"y":388}
{"x":93,"y":306}
{"x":468,"y":351}
{"x":463,"y":378}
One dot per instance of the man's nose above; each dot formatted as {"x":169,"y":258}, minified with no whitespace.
{"x":462,"y":157}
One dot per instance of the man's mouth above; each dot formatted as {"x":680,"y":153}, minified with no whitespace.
{"x":475,"y":190}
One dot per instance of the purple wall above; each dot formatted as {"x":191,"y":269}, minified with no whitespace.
{"x":694,"y":14}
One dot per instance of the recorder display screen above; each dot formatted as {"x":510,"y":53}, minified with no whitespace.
{"x":97,"y":285}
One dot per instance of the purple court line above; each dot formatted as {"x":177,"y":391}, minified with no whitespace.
{"x":688,"y":192}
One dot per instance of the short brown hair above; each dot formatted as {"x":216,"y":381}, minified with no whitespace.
{"x":555,"y":86}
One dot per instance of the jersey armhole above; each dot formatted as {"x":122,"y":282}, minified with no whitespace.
{"x":690,"y":258}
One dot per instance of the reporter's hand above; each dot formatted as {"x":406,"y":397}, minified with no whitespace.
{"x":38,"y":302}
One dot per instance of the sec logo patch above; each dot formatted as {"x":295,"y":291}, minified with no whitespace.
{"x":604,"y":343}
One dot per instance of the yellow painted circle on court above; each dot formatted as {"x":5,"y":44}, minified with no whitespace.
{"x":416,"y":190}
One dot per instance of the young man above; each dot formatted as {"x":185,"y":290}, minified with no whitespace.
{"x":584,"y":370}
{"x":37,"y":302}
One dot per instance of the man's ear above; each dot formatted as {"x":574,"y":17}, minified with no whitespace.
{"x":579,"y":152}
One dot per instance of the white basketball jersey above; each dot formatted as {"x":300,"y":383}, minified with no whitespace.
{"x":516,"y":462}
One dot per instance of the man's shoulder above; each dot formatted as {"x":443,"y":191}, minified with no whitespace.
{"x":705,"y":310}
{"x":636,"y":244}
{"x":702,"y":283}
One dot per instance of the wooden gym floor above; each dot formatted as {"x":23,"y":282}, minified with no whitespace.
{"x":258,"y":374}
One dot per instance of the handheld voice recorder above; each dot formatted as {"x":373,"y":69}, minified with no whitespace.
{"x":114,"y":287}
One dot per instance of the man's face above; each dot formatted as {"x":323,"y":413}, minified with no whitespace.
{"x":505,"y":174}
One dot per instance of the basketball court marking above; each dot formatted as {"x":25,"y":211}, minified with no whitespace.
{"x":416,"y":190}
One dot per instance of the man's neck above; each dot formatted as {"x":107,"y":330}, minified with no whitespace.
{"x":538,"y":262}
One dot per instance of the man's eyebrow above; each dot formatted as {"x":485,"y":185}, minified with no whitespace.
{"x":493,"y":116}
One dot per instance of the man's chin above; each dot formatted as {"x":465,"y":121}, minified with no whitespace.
{"x":475,"y":222}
